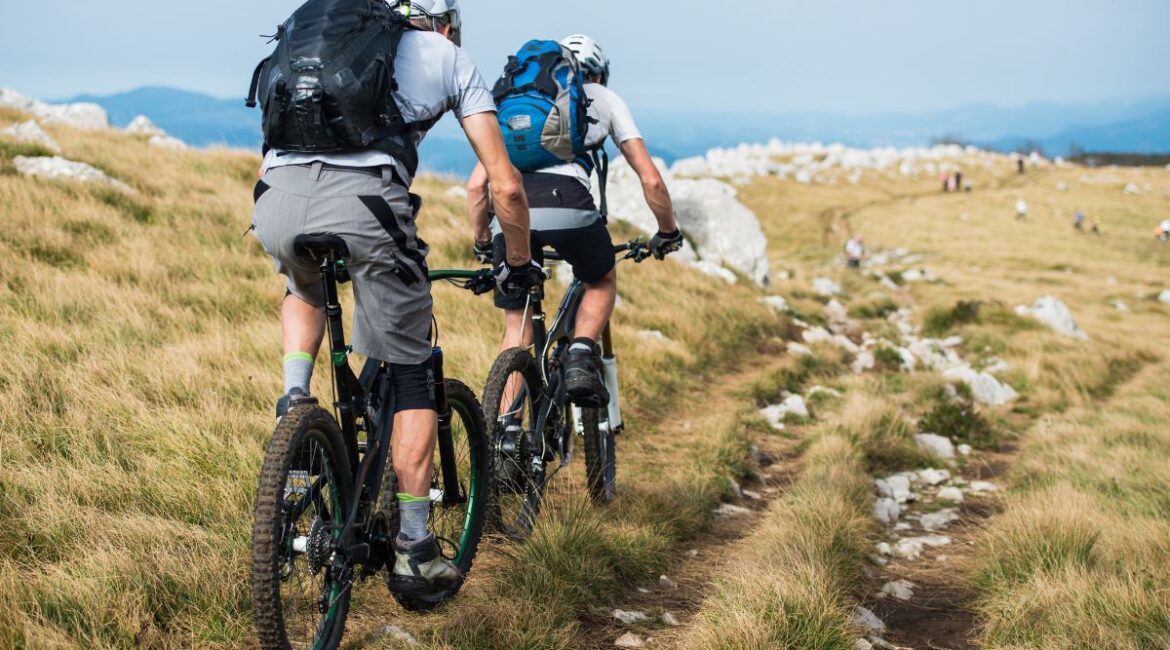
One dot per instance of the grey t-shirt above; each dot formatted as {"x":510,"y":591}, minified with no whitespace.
{"x":614,"y":121}
{"x":434,"y":76}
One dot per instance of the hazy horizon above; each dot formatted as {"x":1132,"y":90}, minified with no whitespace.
{"x":838,"y":57}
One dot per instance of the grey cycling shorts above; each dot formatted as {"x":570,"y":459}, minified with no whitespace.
{"x":375,"y":215}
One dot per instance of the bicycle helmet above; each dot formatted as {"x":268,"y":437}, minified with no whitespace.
{"x":432,"y":13}
{"x":589,"y":54}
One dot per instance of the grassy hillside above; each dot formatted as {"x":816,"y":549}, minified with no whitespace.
{"x":135,"y":401}
{"x":143,"y":361}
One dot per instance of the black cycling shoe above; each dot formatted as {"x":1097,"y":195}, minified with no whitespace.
{"x":583,"y":378}
{"x":295,"y":396}
{"x":421,"y":577}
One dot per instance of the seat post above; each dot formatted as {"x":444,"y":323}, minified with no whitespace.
{"x":338,"y":349}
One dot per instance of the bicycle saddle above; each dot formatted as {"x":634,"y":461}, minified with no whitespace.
{"x":320,"y":245}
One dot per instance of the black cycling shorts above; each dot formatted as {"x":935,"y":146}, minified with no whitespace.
{"x":414,"y":386}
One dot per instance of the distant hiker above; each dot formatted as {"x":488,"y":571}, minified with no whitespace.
{"x":951,"y":186}
{"x":854,"y":251}
{"x":1020,"y":163}
{"x":944,"y":179}
{"x":1079,"y":221}
{"x":1021,"y":210}
{"x":340,"y":160}
{"x":958,"y":180}
{"x":968,"y":185}
{"x":542,"y":77}
{"x":1163,"y":230}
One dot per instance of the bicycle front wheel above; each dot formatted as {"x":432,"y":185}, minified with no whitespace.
{"x":511,"y":401}
{"x":600,"y":455}
{"x":299,"y":594}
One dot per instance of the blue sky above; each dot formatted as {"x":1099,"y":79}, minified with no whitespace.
{"x":846,"y":56}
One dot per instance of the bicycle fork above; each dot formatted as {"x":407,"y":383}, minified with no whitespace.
{"x":610,"y":377}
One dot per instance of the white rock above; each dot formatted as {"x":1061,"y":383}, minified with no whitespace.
{"x":982,"y":486}
{"x":1119,"y":305}
{"x":798,"y":350}
{"x":863,"y":361}
{"x":951,"y":494}
{"x":845,"y":343}
{"x":664,"y":581}
{"x":1164,"y":296}
{"x":821,"y":390}
{"x":722,"y":229}
{"x":31,"y":132}
{"x":731,"y":510}
{"x":862,"y":644}
{"x":886,"y":510}
{"x":883,"y":548}
{"x":141,"y":125}
{"x":714,"y":270}
{"x":1055,"y":314}
{"x":899,"y":589}
{"x":881,"y":644}
{"x":933,"y":476}
{"x":398,"y":634}
{"x":776,"y":302}
{"x":896,"y":487}
{"x":909,"y":362}
{"x":985,"y":388}
{"x":78,"y":116}
{"x":653,"y":335}
{"x":869,"y":622}
{"x":836,"y":311}
{"x":630,"y":616}
{"x":456,"y":191}
{"x":58,"y":168}
{"x":643,"y":590}
{"x":670,"y":619}
{"x":1130,"y":188}
{"x":911,"y":548}
{"x":816,"y":335}
{"x":965,"y":450}
{"x":938,"y":520}
{"x":754,"y":496}
{"x":629,"y":640}
{"x":935,"y":445}
{"x":826,"y":287}
{"x":167,"y":142}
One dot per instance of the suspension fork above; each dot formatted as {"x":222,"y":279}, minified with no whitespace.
{"x":610,"y":375}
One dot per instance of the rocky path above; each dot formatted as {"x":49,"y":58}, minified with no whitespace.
{"x":653,"y":612}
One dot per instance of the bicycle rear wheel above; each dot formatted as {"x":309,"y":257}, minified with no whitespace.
{"x":518,"y":476}
{"x":300,"y":597}
{"x":458,"y":510}
{"x":600,"y":455}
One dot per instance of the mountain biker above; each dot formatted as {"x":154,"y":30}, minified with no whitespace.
{"x":565,"y":218}
{"x":363,"y":196}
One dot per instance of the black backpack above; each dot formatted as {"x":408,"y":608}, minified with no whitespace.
{"x":328,"y":86}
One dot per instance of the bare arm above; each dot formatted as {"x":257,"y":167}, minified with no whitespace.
{"x":477,"y":203}
{"x":653,"y":187}
{"x":507,"y":191}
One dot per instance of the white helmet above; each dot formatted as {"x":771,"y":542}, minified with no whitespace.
{"x":589,"y":54}
{"x":438,"y":11}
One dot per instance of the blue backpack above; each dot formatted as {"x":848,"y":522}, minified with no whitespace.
{"x":542,"y":108}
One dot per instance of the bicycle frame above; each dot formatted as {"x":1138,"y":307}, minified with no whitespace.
{"x":356,"y":399}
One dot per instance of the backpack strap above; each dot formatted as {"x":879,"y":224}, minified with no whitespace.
{"x":251,"y":101}
{"x":601,"y":163}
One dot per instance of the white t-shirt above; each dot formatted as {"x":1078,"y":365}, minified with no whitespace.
{"x":854,"y":249}
{"x":614,"y":121}
{"x":434,"y":76}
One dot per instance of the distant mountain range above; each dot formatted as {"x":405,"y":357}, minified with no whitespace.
{"x":1140,"y":125}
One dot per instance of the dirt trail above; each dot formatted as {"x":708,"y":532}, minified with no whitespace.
{"x":699,"y":559}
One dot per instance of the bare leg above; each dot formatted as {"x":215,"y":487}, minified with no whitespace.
{"x":517,"y":334}
{"x":415,"y":433}
{"x":596,"y":306}
{"x":302,"y":326}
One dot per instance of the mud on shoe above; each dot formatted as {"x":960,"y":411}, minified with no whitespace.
{"x":583,"y":377}
{"x":421,"y":577}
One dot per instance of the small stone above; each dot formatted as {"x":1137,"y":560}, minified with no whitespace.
{"x":951,"y":494}
{"x":32,"y":132}
{"x":629,"y":640}
{"x":939,"y":520}
{"x":664,"y":581}
{"x":398,"y":634}
{"x":896,"y":487}
{"x":933,"y":476}
{"x":935,"y":445}
{"x":629,"y":617}
{"x":886,"y":510}
{"x":868,"y":621}
{"x":911,"y":548}
{"x":643,"y":590}
{"x":653,"y":335}
{"x":826,"y":287}
{"x":862,"y":644}
{"x":982,"y":486}
{"x":777,"y":303}
{"x":899,"y":589}
{"x":731,"y":510}
{"x":883,"y":548}
{"x":693,"y":552}
{"x":669,"y":619}
{"x":965,"y":450}
{"x":798,"y":350}
{"x":755,"y":496}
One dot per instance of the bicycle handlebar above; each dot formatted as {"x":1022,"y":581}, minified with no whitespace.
{"x":479,"y":281}
{"x":635,"y":249}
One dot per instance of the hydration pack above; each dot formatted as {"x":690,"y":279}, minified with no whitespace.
{"x":542,"y":107}
{"x":328,"y":87}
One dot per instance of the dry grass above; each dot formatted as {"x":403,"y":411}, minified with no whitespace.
{"x":144,"y":359}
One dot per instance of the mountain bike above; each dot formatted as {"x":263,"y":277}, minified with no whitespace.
{"x":326,"y":507}
{"x":532,"y":421}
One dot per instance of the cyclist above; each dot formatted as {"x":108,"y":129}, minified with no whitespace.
{"x":363,"y":196}
{"x":565,"y":218}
